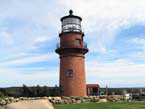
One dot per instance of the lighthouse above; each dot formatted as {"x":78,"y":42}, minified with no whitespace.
{"x":72,"y":50}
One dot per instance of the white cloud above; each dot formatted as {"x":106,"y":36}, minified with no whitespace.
{"x":42,"y":39}
{"x":14,"y":77}
{"x":29,"y":60}
{"x":138,"y":42}
{"x":106,"y":18}
{"x":26,"y":23}
{"x":114,"y":73}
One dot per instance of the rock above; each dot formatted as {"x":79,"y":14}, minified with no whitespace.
{"x":102,"y":100}
{"x":17,"y":99}
{"x":61,"y":102}
{"x":56,"y":98}
{"x":110,"y":99}
{"x":45,"y":97}
{"x":77,"y":97}
{"x":14,"y":100}
{"x":67,"y":101}
{"x":88,"y":100}
{"x":73,"y":100}
{"x":8,"y":102}
{"x":32,"y":104}
{"x":29,"y":98}
{"x":115,"y":98}
{"x":85,"y":97}
{"x":11,"y":98}
{"x":6,"y":99}
{"x":78,"y":101}
{"x":53,"y":101}
{"x":37,"y":98}
{"x":83,"y":100}
{"x":49,"y":98}
{"x":90,"y":97}
{"x":21,"y":98}
{"x":96,"y":99}
{"x":2,"y":102}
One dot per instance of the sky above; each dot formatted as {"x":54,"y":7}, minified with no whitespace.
{"x":114,"y":33}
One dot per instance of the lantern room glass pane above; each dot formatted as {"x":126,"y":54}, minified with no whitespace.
{"x":71,"y":24}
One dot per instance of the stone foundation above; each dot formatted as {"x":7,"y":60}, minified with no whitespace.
{"x":66,"y":100}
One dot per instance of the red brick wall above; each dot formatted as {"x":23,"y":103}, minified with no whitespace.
{"x":75,"y":85}
{"x":67,"y":40}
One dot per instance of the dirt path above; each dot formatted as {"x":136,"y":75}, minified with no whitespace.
{"x":1,"y":107}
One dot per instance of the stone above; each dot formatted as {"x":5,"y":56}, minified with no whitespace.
{"x":11,"y":98}
{"x":88,"y":100}
{"x":49,"y":98}
{"x":17,"y":99}
{"x":103,"y":100}
{"x":3,"y":102}
{"x":78,"y":101}
{"x":83,"y":100}
{"x":45,"y":97}
{"x":73,"y":100}
{"x":21,"y":98}
{"x":61,"y":102}
{"x":77,"y":97}
{"x":96,"y":99}
{"x":110,"y":99}
{"x":32,"y":104}
{"x":115,"y":98}
{"x":53,"y":101}
{"x":85,"y":97}
{"x":67,"y":101}
{"x":6,"y":99}
{"x":37,"y":98}
{"x":56,"y":98}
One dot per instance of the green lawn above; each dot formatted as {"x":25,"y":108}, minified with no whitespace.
{"x":109,"y":105}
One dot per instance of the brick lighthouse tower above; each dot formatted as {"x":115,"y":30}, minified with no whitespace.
{"x":72,"y":49}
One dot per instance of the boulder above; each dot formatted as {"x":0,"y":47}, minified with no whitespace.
{"x":95,"y":99}
{"x":11,"y":98}
{"x":85,"y":97}
{"x":56,"y":98}
{"x":45,"y":97}
{"x":73,"y":100}
{"x":37,"y":98}
{"x":53,"y":101}
{"x":77,"y":97}
{"x":83,"y":100}
{"x":78,"y":101}
{"x":88,"y":100}
{"x":6,"y":99}
{"x":110,"y":99}
{"x":67,"y":101}
{"x":61,"y":102}
{"x":102,"y":100}
{"x":32,"y":104}
{"x":2,"y":102}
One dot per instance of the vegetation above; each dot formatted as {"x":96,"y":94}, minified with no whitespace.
{"x":34,"y":91}
{"x":39,"y":91}
{"x":108,"y":105}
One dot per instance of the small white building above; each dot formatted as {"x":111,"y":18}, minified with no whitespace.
{"x":128,"y":96}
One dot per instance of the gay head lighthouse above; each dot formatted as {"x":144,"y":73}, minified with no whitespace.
{"x":72,"y":50}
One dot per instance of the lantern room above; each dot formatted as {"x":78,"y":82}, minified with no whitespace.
{"x":71,"y":23}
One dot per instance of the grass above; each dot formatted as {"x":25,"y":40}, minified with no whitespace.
{"x":108,"y":105}
{"x":2,"y":97}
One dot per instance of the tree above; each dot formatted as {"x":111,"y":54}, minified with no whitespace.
{"x":26,"y":91}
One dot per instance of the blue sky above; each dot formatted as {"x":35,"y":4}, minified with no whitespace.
{"x":114,"y":32}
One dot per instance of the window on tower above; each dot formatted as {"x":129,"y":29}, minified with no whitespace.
{"x":77,"y":42}
{"x":69,"y":73}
